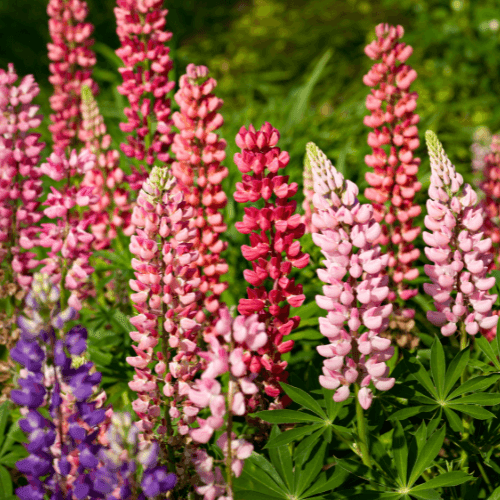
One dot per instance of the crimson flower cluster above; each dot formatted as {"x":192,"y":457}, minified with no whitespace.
{"x":199,"y":152}
{"x":140,"y":28}
{"x":393,"y":182}
{"x":20,"y":184}
{"x":274,"y":248}
{"x":72,"y":60}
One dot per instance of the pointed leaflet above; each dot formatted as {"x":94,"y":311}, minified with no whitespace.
{"x":400,"y":453}
{"x":454,"y":420}
{"x":292,"y":435}
{"x":5,"y":483}
{"x":286,"y":417}
{"x":332,"y":408}
{"x":322,"y":484}
{"x":306,"y":477}
{"x":426,"y":495}
{"x":473,"y":411}
{"x":255,"y":495}
{"x":419,"y":373}
{"x":4,"y":415}
{"x":474,"y":384}
{"x":488,"y":350}
{"x":303,"y":449}
{"x":427,"y":454}
{"x":481,"y":398}
{"x":447,"y":479}
{"x":302,"y":398}
{"x":412,"y":411}
{"x":281,"y":458}
{"x":438,"y":366}
{"x":455,"y":369}
{"x":258,"y":470}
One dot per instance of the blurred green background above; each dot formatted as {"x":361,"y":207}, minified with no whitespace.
{"x":299,"y":65}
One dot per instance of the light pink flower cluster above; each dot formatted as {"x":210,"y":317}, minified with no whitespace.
{"x":113,"y":209}
{"x":490,"y":185}
{"x":140,"y":28}
{"x":457,"y":247}
{"x":231,"y":343}
{"x":356,"y":286}
{"x":275,"y":231}
{"x":393,"y":141}
{"x":67,"y":238}
{"x":166,"y":289}
{"x":71,"y":66}
{"x":20,"y":184}
{"x":307,"y":204}
{"x":199,"y":152}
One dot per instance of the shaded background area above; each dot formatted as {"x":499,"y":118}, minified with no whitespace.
{"x":299,"y":64}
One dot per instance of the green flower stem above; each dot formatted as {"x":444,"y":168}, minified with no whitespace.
{"x":362,"y":432}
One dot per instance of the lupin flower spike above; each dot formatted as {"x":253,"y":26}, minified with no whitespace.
{"x":72,"y":60}
{"x":199,"y":152}
{"x":393,"y":182}
{"x":140,"y":28}
{"x":275,"y":231}
{"x":355,"y":290}
{"x":460,"y":252}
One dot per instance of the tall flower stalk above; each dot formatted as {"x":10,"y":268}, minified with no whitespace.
{"x":393,"y":182}
{"x":72,"y":61}
{"x":199,"y":152}
{"x":356,"y":286}
{"x":275,"y":231}
{"x":146,"y":64}
{"x":460,"y":253}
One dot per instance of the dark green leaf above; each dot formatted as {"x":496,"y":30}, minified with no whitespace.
{"x":308,"y":334}
{"x":10,"y":459}
{"x":332,"y":408}
{"x":5,"y":482}
{"x":455,"y":369}
{"x":474,"y":384}
{"x":446,"y":479}
{"x":486,"y":347}
{"x":412,"y":411}
{"x":427,"y":455}
{"x":323,"y":484}
{"x":302,"y":398}
{"x":438,"y":366}
{"x":481,"y":398}
{"x":454,"y":420}
{"x":419,"y":373}
{"x":427,"y":495}
{"x":281,"y":458}
{"x":14,"y":435}
{"x":255,"y":495}
{"x":286,"y":417}
{"x":292,"y":435}
{"x":304,"y":448}
{"x":495,"y":495}
{"x":473,"y":411}
{"x":400,"y":452}
{"x":306,"y":477}
{"x":4,"y":415}
{"x":261,"y":471}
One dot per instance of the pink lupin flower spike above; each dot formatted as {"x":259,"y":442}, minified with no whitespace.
{"x":232,"y":343}
{"x":355,"y":290}
{"x":107,"y":178}
{"x":459,"y":250}
{"x":307,"y":204}
{"x":490,"y":185}
{"x":20,"y":184}
{"x":72,"y":60}
{"x":146,"y":60}
{"x":275,"y":248}
{"x":393,"y":182}
{"x":199,"y":152}
{"x":165,"y":295}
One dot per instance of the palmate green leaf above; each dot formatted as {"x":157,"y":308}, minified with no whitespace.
{"x":255,"y":495}
{"x":438,"y":366}
{"x":427,"y":455}
{"x":488,"y":350}
{"x":412,"y":411}
{"x":302,"y":398}
{"x":400,"y":452}
{"x":5,"y":483}
{"x":286,"y":417}
{"x":475,"y":384}
{"x":481,"y":398}
{"x":263,"y":476}
{"x":292,"y":435}
{"x":472,"y":410}
{"x":447,"y":479}
{"x":382,"y":460}
{"x":457,"y":366}
{"x":332,"y":408}
{"x":305,"y":477}
{"x":324,"y":484}
{"x":281,"y":458}
{"x":304,"y":448}
{"x":454,"y":420}
{"x":419,"y":373}
{"x":426,"y":495}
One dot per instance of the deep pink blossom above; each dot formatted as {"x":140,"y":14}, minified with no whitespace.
{"x":146,"y":64}
{"x":356,"y":286}
{"x":72,"y":60}
{"x":459,"y":250}
{"x":393,"y":181}
{"x":274,"y":231}
{"x":20,"y":184}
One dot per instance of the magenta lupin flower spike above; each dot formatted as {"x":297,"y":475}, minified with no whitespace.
{"x":72,"y":60}
{"x":20,"y":184}
{"x":146,"y":60}
{"x":459,"y":250}
{"x":275,"y":231}
{"x":393,"y":182}
{"x":199,"y":152}
{"x":356,"y":286}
